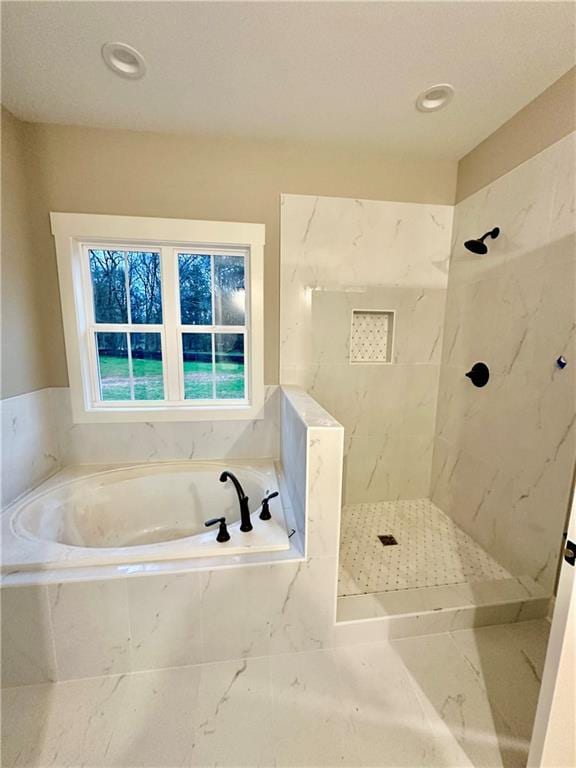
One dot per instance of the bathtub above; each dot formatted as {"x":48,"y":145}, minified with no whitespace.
{"x":140,"y":514}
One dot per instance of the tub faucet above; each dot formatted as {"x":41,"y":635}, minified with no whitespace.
{"x":245,"y":523}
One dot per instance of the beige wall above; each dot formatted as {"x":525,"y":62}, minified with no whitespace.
{"x":149,"y":174}
{"x":32,"y":346}
{"x":547,"y":119}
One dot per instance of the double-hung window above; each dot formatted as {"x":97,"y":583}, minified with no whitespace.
{"x":162,"y":317}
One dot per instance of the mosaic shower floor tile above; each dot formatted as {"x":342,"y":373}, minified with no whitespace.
{"x":431,"y":550}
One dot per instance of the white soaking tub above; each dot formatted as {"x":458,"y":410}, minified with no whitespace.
{"x":139,"y":514}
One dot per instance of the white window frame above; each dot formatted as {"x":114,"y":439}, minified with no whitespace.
{"x":75,"y":233}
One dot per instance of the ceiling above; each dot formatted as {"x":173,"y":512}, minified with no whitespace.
{"x":345,"y":72}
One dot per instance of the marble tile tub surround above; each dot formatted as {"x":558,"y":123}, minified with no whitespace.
{"x":377,"y":704}
{"x":39,"y":438}
{"x":139,"y":618}
{"x":136,"y":621}
{"x":164,"y":441}
{"x":339,"y":255}
{"x":504,"y":455}
{"x":31,"y":449}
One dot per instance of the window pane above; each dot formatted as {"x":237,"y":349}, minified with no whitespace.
{"x":113,"y":366}
{"x":195,"y":288}
{"x":146,"y":349}
{"x":229,"y":291}
{"x":107,"y":270}
{"x":145,"y":290}
{"x":198,"y":369}
{"x":229,"y":349}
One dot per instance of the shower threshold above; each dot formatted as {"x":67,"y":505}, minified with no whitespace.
{"x":407,"y":557}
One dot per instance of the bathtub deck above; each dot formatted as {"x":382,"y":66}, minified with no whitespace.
{"x":33,"y":558}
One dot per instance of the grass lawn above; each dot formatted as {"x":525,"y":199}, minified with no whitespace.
{"x":149,"y":385}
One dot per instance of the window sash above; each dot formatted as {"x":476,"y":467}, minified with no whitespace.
{"x":95,"y":379}
{"x":170,"y":330}
{"x":213,"y":330}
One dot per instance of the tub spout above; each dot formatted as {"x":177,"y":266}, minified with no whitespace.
{"x":245,"y":522}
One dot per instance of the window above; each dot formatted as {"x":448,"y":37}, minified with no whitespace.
{"x":162,"y":317}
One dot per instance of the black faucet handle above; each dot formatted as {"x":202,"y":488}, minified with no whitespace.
{"x":265,"y":513}
{"x":223,"y":534}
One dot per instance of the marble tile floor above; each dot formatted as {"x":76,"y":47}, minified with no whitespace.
{"x":431,"y":551}
{"x":450,"y":700}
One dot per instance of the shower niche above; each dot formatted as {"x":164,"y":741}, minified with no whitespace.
{"x":371,"y":336}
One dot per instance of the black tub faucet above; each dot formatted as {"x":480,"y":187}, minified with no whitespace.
{"x":245,"y":523}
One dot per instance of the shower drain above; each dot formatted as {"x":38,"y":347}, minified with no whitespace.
{"x":387,"y":540}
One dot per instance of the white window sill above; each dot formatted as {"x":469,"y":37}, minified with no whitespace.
{"x":116,"y":415}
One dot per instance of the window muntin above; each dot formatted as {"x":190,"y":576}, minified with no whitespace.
{"x":131,"y":326}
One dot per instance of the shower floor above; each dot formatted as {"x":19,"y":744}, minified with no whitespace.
{"x":431,"y":551}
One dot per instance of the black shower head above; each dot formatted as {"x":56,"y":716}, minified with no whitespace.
{"x":479,"y":246}
{"x":476,"y":246}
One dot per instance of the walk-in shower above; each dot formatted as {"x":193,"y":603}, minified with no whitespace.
{"x":456,"y":416}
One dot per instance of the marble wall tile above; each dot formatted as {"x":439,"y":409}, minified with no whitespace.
{"x":563,"y":199}
{"x":90,"y":624}
{"x":302,"y":610}
{"x":312,"y":449}
{"x":165,"y":620}
{"x":30,"y":441}
{"x":163,"y":441}
{"x":414,"y":308}
{"x":388,"y":413}
{"x":504,"y":455}
{"x":294,"y":460}
{"x":525,"y":304}
{"x":39,"y":438}
{"x":339,"y":255}
{"x":516,"y":594}
{"x":236,"y":612}
{"x":325,"y":461}
{"x":343,"y":243}
{"x":27,"y":644}
{"x":523,"y":203}
{"x":379,"y":399}
{"x":392,"y":466}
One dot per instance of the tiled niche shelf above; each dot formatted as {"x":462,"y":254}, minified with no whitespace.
{"x":371,"y":337}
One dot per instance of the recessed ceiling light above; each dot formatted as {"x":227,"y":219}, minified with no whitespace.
{"x":124,"y":60}
{"x":434,"y":98}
